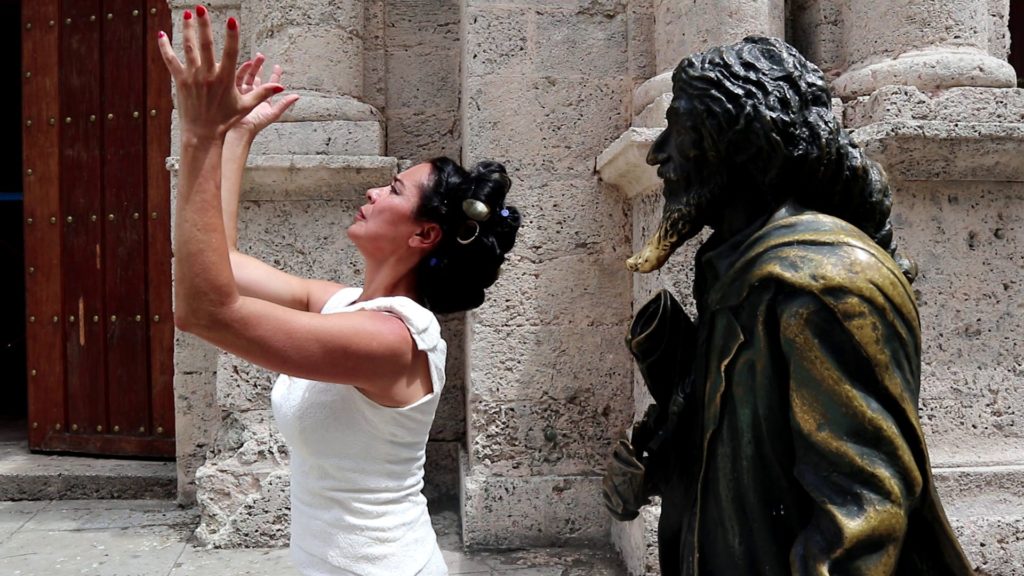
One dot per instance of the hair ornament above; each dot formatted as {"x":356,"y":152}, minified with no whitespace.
{"x":469,"y":231}
{"x":504,"y":212}
{"x":476,"y":210}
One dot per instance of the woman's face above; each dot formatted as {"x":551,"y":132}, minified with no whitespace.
{"x":387,"y":223}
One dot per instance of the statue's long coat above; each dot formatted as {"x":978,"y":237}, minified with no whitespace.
{"x":800,"y":450}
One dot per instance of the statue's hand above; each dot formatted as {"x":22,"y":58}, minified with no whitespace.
{"x":623,"y":484}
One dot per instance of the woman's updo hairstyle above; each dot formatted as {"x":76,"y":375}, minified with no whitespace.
{"x":477,"y":230}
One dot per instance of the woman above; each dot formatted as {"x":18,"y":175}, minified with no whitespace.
{"x":362,"y":369}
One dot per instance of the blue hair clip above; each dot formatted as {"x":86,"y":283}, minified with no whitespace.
{"x":432,"y":262}
{"x":504,"y":212}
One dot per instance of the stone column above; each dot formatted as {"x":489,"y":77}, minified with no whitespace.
{"x":319,"y":42}
{"x":928,"y":44}
{"x":682,"y":28}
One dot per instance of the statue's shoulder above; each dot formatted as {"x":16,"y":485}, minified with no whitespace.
{"x":819,"y":253}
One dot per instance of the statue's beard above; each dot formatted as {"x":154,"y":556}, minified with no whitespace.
{"x":684,"y":216}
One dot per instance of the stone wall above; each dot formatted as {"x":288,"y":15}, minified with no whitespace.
{"x":545,"y":87}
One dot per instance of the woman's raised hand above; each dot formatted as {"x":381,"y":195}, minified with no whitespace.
{"x":208,"y":100}
{"x":249,"y":78}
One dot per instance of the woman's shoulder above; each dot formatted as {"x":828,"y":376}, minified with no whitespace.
{"x":422,"y":324}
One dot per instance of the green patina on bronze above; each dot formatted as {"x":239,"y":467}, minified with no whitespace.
{"x":784,"y":438}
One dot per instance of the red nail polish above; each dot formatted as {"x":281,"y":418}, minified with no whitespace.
{"x":232,"y":24}
{"x":188,"y":15}
{"x":160,"y":34}
{"x":200,"y":10}
{"x":278,"y":89}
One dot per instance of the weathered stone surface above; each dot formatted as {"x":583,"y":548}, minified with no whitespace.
{"x":28,"y":476}
{"x":971,"y":314}
{"x":624,"y":165}
{"x":929,"y":150}
{"x":302,"y":238}
{"x":815,"y":27}
{"x":497,"y":41}
{"x":196,"y":418}
{"x":640,"y":34}
{"x":193,"y":355}
{"x":297,"y":33}
{"x":540,"y":511}
{"x":543,"y":126}
{"x":682,"y":28}
{"x":243,"y":490}
{"x":956,"y":105}
{"x":242,"y":386}
{"x":335,"y":138}
{"x":947,"y":46}
{"x":420,"y":135}
{"x":297,"y":177}
{"x":568,"y":217}
{"x":569,"y":41}
{"x":450,"y":418}
{"x":537,"y":294}
{"x":551,"y":363}
{"x":551,"y":437}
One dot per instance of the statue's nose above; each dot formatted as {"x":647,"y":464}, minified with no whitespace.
{"x":658,"y":153}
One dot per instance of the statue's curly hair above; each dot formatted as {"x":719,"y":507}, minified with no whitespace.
{"x":766,"y":126}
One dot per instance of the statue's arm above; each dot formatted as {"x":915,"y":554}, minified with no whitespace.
{"x":850,"y":453}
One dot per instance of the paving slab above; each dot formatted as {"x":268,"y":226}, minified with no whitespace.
{"x":142,"y":551}
{"x":154,"y":538}
{"x":258,"y":562}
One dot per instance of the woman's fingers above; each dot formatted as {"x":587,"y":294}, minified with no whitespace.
{"x":241,"y":74}
{"x":281,"y":106}
{"x":257,"y":69}
{"x":275,"y":76}
{"x":188,"y":40}
{"x":229,"y":59}
{"x":204,"y":35}
{"x":170,"y":58}
{"x":260,"y":94}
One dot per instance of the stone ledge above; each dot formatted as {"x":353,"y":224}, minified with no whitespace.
{"x":934,"y":69}
{"x":27,"y":476}
{"x":310,"y":177}
{"x":933,"y":150}
{"x":624,"y":163}
{"x":973,"y":105}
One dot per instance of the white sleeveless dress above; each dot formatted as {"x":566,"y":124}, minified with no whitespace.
{"x":357,"y":466}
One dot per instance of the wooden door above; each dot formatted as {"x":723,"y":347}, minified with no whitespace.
{"x":96,"y":116}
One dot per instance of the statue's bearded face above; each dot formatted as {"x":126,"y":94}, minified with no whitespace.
{"x":681,"y":162}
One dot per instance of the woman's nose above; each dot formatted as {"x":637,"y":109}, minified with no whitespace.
{"x":371,"y":195}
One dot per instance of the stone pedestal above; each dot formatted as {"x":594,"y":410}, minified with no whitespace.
{"x":928,"y":44}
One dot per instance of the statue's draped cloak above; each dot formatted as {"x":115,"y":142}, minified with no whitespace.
{"x":801,"y":451}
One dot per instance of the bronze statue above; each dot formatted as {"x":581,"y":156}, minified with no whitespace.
{"x":784,"y":438}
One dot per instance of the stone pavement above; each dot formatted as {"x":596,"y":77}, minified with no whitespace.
{"x":153,"y":538}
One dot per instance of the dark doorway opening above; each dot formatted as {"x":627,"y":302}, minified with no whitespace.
{"x":13,"y":381}
{"x":1017,"y":39}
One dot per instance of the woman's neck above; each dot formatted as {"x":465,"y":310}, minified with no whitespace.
{"x":388,"y":279}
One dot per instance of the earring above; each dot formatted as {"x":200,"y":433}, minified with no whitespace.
{"x":469,"y":226}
